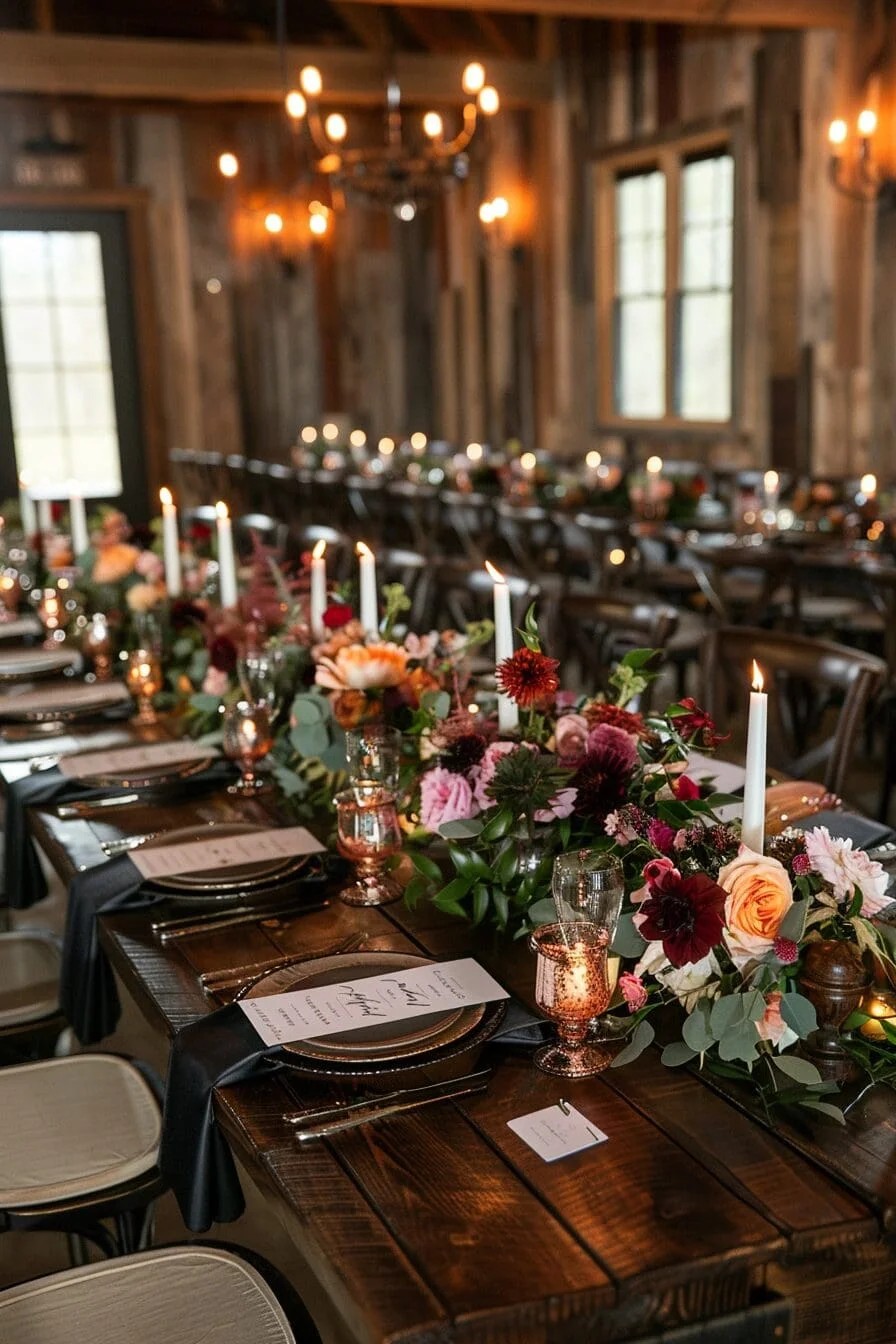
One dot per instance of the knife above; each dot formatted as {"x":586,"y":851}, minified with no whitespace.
{"x":86,"y":808}
{"x":169,"y":929}
{"x":303,"y":1118}
{"x":324,"y":1129}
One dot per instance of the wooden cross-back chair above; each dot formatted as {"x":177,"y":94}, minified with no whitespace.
{"x":810,"y":683}
{"x":599,"y":629}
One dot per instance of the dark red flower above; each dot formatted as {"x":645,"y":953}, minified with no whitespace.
{"x":617,"y":717}
{"x":787,"y":951}
{"x":685,"y":914}
{"x":337,"y":615}
{"x":801,"y":865}
{"x":528,"y":677}
{"x":601,"y":782}
{"x":685,"y":789}
{"x":695,"y":725}
{"x":200,"y":532}
{"x":183,"y":613}
{"x":464,"y":752}
{"x":222,"y":653}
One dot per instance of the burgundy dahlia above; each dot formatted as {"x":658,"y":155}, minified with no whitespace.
{"x":464,"y":752}
{"x":528,"y":677}
{"x":222,"y":654}
{"x":601,"y":781}
{"x":685,"y":914}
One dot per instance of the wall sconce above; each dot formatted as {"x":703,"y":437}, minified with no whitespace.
{"x":860,"y":179}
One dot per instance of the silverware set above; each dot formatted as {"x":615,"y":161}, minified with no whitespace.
{"x":244,"y":978}
{"x":320,"y":1124}
{"x":170,"y":930}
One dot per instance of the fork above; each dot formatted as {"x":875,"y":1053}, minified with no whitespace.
{"x":111,"y":848}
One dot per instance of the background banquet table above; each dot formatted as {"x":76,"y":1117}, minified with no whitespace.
{"x":442,"y":1225}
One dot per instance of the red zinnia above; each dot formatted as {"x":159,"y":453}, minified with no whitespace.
{"x":685,"y":914}
{"x":695,"y":725}
{"x":528,"y":677}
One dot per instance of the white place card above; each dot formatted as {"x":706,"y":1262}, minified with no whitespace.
{"x":304,"y":1014}
{"x":63,"y":745}
{"x":65,"y":697}
{"x":147,"y":757}
{"x":726,"y":776}
{"x":230,"y":851}
{"x":557,"y":1131}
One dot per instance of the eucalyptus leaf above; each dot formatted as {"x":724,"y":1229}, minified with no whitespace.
{"x":678,"y":1053}
{"x":754,"y":1005}
{"x":800,"y":1070}
{"x":740,"y":1042}
{"x":309,"y":709}
{"x":627,"y":941}
{"x":437,"y":703}
{"x":825,"y":1107}
{"x":542,"y":912}
{"x":696,"y":1030}
{"x":799,"y":1014}
{"x":793,"y":925}
{"x":461,"y":830}
{"x":727,"y":1012}
{"x":642,"y":1036}
{"x":204,"y":703}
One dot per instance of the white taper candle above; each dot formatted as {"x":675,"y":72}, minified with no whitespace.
{"x":508,"y":710}
{"x":370,"y":619}
{"x":226,"y":558}
{"x":27,"y":511}
{"x":77,"y":521}
{"x":753,"y":830}
{"x":170,"y":543}
{"x":318,"y":590}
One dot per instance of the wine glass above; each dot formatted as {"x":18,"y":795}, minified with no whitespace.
{"x":144,"y":680}
{"x":97,"y":644}
{"x":260,"y":676}
{"x":373,"y":755}
{"x":571,"y":988}
{"x":368,"y":833}
{"x":588,"y":884}
{"x":247,"y":740}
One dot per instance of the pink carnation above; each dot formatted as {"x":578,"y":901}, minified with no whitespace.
{"x":632,"y":989}
{"x":445,"y":796}
{"x":845,"y":868}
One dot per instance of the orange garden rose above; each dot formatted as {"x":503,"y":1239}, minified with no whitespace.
{"x":759,"y":895}
{"x":114,"y":563}
{"x":363,"y":668}
{"x":351,"y":708}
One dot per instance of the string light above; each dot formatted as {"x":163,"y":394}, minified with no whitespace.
{"x":228,"y":164}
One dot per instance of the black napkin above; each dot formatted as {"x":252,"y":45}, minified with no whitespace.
{"x":87,"y":992}
{"x":225,"y":1048}
{"x":194,"y":1157}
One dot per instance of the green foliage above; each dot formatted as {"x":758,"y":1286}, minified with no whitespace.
{"x":396,"y":602}
{"x":633,"y":674}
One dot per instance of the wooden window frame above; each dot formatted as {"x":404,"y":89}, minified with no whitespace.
{"x":668,"y":153}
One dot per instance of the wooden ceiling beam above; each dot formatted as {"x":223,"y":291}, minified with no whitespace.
{"x":720,"y":13}
{"x":233,"y":72}
{"x":366,"y":23}
{"x":507,"y":34}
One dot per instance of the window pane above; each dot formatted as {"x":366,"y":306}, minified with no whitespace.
{"x":705,"y":357}
{"x":640,"y":355}
{"x":641,"y":359}
{"x":56,"y":337}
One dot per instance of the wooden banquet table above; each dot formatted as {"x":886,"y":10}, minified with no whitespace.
{"x":441,"y":1225}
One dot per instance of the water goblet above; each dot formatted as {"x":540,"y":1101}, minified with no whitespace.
{"x":571,"y":989}
{"x":259,"y":675}
{"x":373,"y":755}
{"x":247,"y":740}
{"x":144,"y":680}
{"x":368,"y":833}
{"x":588,"y":884}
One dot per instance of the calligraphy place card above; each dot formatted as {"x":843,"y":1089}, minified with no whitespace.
{"x":148,"y":757}
{"x":352,"y":1004}
{"x":196,"y":856}
{"x":557,"y":1131}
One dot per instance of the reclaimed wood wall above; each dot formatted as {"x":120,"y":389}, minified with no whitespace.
{"x":441,"y":326}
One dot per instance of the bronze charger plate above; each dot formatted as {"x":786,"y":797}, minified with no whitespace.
{"x":148,"y":777}
{"x":221,"y":884}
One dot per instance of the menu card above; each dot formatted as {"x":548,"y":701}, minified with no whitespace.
{"x":557,"y":1131}
{"x":148,"y":757}
{"x":328,"y":1010}
{"x":23,"y":748}
{"x":232,"y":851}
{"x":65,"y":697}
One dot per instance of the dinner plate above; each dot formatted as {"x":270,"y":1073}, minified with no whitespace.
{"x":381,"y":1041}
{"x":18,"y":664}
{"x":70,"y":701}
{"x":220,"y":884}
{"x":148,"y":776}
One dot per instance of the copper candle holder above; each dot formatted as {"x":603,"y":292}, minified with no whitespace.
{"x":144,"y":680}
{"x":571,"y":988}
{"x":51,"y":613}
{"x":10,"y":595}
{"x":368,"y":833}
{"x":247,"y":740}
{"x":97,"y":644}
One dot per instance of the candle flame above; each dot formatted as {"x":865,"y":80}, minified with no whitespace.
{"x":221,"y":509}
{"x":362,"y":549}
{"x":165,"y":496}
{"x":319,"y":549}
{"x":758,"y":679}
{"x":494,"y":572}
{"x":770,"y":480}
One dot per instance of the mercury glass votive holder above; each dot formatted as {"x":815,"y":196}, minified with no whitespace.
{"x":247,"y":740}
{"x":96,"y":642}
{"x":571,"y":988}
{"x":368,"y":833}
{"x":144,"y":680}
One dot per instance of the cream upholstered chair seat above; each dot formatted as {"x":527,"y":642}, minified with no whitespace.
{"x":73,"y":1127}
{"x":29,"y":977}
{"x":182,"y":1295}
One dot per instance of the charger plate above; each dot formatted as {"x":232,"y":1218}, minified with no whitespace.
{"x":148,"y":776}
{"x":69,"y":701}
{"x":218,"y":884}
{"x":383,"y":1041}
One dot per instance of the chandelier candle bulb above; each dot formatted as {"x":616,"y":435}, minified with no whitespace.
{"x":753,"y":830}
{"x":170,"y":543}
{"x":654,"y":467}
{"x":318,"y":590}
{"x":226,"y":558}
{"x":27,"y":511}
{"x":868,"y":485}
{"x":369,"y":607}
{"x":508,"y":710}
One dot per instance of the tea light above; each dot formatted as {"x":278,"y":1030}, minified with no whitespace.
{"x":49,"y":609}
{"x":571,"y":988}
{"x":880,"y":1005}
{"x":97,"y":642}
{"x":144,"y":680}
